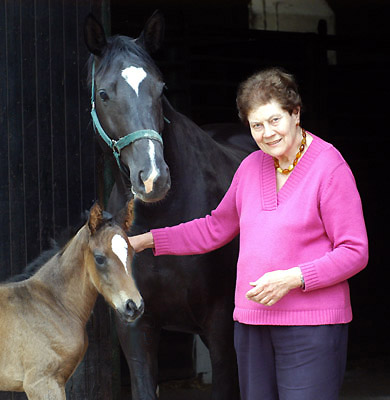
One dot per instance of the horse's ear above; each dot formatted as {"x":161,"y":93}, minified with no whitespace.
{"x":94,"y":35}
{"x":152,"y":35}
{"x":95,"y":218}
{"x":125,"y":217}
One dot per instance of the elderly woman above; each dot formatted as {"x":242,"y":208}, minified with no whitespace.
{"x":302,"y":235}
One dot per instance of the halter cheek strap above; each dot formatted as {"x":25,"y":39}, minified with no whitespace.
{"x":117,"y":145}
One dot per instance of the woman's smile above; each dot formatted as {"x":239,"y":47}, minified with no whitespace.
{"x":274,"y":143}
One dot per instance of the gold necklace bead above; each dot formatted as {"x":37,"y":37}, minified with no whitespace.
{"x":287,"y":170}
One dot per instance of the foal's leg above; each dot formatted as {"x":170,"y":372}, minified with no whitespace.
{"x":44,"y":389}
{"x":139,"y":343}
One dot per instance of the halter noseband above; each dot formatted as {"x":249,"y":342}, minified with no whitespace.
{"x":117,"y":145}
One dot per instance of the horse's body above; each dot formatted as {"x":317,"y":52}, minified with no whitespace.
{"x":43,"y":319}
{"x":189,"y":293}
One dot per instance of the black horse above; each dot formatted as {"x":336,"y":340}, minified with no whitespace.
{"x":175,"y":177}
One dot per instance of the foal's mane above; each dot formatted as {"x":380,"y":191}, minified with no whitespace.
{"x":58,"y":247}
{"x":122,"y":47}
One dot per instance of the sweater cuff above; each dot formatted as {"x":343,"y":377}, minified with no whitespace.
{"x":310,"y":276}
{"x":161,"y":241}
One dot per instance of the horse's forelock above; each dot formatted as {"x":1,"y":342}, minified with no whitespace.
{"x":121,"y":47}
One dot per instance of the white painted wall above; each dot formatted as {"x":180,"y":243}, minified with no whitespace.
{"x":203,"y":362}
{"x":290,"y":15}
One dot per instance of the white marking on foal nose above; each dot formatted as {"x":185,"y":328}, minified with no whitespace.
{"x":119,"y":247}
{"x":155,"y":171}
{"x":134,"y":76}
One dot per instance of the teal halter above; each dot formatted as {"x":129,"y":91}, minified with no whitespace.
{"x":117,"y":145}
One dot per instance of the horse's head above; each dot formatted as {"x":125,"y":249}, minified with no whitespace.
{"x":126,"y":100}
{"x":109,"y":257}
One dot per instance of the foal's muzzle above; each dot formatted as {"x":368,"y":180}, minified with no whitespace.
{"x":132,"y":311}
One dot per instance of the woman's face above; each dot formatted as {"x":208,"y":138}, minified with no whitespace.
{"x":275,"y":131}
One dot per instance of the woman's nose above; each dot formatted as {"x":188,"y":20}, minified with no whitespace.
{"x":267,"y":131}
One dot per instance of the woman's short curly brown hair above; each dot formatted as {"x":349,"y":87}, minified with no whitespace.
{"x":265,"y":86}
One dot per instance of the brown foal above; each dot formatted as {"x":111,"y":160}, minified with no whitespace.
{"x":43,"y":319}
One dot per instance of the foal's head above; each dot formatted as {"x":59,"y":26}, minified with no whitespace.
{"x":109,"y":258}
{"x":127,"y":89}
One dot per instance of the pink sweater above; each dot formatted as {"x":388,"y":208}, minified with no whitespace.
{"x":315,"y":222}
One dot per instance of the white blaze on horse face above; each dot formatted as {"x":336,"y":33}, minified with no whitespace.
{"x":134,"y":76}
{"x":119,"y":247}
{"x":155,"y":171}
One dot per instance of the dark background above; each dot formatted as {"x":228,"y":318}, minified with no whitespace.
{"x":50,"y":170}
{"x":209,"y":50}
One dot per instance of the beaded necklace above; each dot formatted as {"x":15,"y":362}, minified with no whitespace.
{"x":297,"y":157}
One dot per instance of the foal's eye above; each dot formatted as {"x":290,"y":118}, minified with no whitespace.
{"x":103,"y":95}
{"x":100,"y":260}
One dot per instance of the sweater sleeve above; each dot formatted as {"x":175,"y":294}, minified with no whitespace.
{"x":342,"y":216}
{"x":204,"y":234}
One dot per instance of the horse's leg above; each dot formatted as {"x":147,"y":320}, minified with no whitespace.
{"x":219,"y":340}
{"x":44,"y":389}
{"x":139,"y":343}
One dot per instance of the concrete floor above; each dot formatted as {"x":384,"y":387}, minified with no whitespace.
{"x":367,"y":379}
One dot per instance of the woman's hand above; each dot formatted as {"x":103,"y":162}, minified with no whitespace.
{"x":141,"y":242}
{"x":272,"y":286}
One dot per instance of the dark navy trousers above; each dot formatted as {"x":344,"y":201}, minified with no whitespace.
{"x":291,"y":362}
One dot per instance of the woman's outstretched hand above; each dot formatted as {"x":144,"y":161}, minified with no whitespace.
{"x":141,"y":242}
{"x":272,"y":286}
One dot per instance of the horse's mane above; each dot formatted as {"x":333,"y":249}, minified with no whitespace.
{"x":57,"y":246}
{"x":36,"y":264}
{"x":121,"y":46}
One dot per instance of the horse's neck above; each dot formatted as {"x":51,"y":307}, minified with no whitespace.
{"x":196,"y":156}
{"x":66,"y":277}
{"x":185,"y":137}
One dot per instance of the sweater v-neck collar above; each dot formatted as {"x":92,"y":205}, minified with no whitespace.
{"x":271,"y":198}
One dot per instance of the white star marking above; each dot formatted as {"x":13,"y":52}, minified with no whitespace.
{"x":134,"y":76}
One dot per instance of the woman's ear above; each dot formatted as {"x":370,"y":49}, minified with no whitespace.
{"x":297,"y":114}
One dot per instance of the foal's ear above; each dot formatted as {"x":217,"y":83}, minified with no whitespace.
{"x":94,"y":35}
{"x":125,"y":217}
{"x":95,"y":218}
{"x":152,"y":36}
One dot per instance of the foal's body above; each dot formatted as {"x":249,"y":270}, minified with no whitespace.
{"x":43,"y":319}
{"x":57,"y":339}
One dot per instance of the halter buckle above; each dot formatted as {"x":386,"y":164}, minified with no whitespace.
{"x":115,"y":148}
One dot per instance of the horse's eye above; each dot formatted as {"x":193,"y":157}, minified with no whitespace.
{"x":103,"y":95}
{"x":100,"y":260}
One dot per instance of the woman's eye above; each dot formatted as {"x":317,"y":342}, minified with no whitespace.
{"x":100,"y":260}
{"x":103,"y":95}
{"x":275,"y":120}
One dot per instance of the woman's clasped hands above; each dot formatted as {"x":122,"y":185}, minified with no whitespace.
{"x":273,"y":286}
